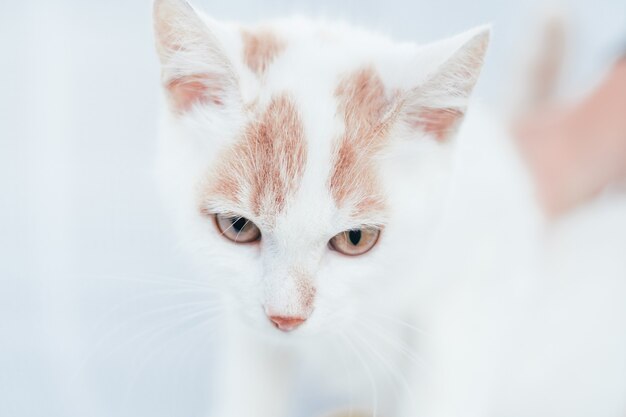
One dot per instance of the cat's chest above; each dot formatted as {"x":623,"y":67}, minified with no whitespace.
{"x":350,"y":371}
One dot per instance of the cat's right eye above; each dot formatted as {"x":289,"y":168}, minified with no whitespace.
{"x":237,"y":228}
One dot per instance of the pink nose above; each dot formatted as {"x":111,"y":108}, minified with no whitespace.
{"x":286,"y":324}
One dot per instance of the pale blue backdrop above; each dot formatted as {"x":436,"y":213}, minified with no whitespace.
{"x":85,"y":248}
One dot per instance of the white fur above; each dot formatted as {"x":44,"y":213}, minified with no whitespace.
{"x":460,"y":257}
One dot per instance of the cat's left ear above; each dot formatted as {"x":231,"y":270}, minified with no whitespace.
{"x":437,"y":104}
{"x":195,"y":69}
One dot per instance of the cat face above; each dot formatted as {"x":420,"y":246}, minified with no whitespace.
{"x":307,"y":162}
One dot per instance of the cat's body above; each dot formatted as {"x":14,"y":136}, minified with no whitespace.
{"x":318,"y":142}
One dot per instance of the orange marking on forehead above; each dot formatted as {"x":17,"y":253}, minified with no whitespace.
{"x":365,"y":110}
{"x":260,"y":48}
{"x":261,"y":170}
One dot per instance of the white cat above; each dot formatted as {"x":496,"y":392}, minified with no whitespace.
{"x":374,"y":252}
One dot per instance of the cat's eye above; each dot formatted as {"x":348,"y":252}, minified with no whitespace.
{"x":236,"y":228}
{"x":355,"y":242}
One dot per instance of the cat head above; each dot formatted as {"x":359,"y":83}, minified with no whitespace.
{"x":307,"y":161}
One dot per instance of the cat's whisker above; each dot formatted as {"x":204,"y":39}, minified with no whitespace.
{"x":232,"y":224}
{"x":184,"y":283}
{"x":350,"y":376}
{"x":144,"y":297}
{"x":156,"y":350}
{"x":376,"y":360}
{"x":398,"y":345}
{"x":400,"y":322}
{"x":149,"y":337}
{"x":166,"y":325}
{"x":239,"y":232}
{"x":367,"y":369}
{"x":191,"y":352}
{"x":109,"y":335}
{"x":390,"y":369}
{"x":154,"y":277}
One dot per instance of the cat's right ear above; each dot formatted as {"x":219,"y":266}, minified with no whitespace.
{"x":195,"y":69}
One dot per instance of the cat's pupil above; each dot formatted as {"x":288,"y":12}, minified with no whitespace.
{"x":354,"y":236}
{"x":239,"y":223}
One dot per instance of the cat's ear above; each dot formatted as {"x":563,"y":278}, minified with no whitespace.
{"x":195,"y":69}
{"x":437,"y":104}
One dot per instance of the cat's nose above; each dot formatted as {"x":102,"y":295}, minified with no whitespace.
{"x":286,"y":324}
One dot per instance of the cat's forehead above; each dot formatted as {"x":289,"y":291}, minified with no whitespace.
{"x":311,"y":138}
{"x":291,"y":53}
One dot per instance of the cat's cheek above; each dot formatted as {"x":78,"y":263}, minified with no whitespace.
{"x":347,"y":285}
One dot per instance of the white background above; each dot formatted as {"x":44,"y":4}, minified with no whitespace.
{"x":82,"y":232}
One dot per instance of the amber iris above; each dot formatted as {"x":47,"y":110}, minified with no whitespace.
{"x":236,"y":228}
{"x":355,"y":241}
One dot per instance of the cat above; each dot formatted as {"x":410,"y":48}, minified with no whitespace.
{"x":374,"y":238}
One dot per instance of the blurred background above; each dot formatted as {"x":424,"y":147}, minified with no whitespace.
{"x":85,"y":247}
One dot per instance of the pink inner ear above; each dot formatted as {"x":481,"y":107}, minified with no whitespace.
{"x":437,"y":122}
{"x":189,"y":90}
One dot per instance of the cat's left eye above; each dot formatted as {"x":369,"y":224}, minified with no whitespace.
{"x":236,"y":228}
{"x":355,"y":242}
